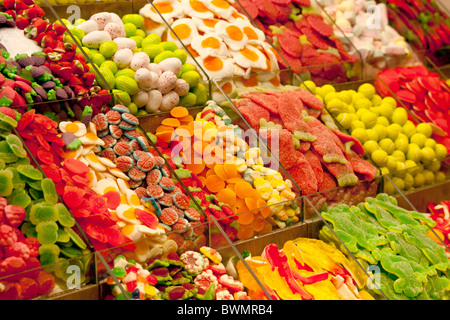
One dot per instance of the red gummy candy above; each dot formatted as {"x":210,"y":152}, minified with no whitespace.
{"x":12,"y":265}
{"x":98,"y":204}
{"x":11,"y":292}
{"x":15,"y":215}
{"x":112,"y":199}
{"x":19,"y":250}
{"x":96,"y":232}
{"x":46,"y":282}
{"x":147,"y":218}
{"x":28,"y":288}
{"x":73,"y":196}
{"x":7,"y":235}
{"x":76,"y":166}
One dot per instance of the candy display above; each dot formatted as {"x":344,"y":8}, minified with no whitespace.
{"x":224,"y":150}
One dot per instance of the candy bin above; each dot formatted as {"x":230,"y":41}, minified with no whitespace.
{"x":364,"y":29}
{"x":424,"y":93}
{"x":142,"y":69}
{"x":48,"y":71}
{"x":305,"y":40}
{"x":170,"y":274}
{"x":227,"y":175}
{"x":385,"y":133}
{"x":382,"y":237}
{"x":310,"y":142}
{"x":221,"y":42}
{"x":38,"y":231}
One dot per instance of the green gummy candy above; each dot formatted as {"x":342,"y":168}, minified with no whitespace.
{"x":2,"y":164}
{"x":49,"y":190}
{"x":43,"y":212}
{"x":65,"y":218}
{"x":20,"y":161}
{"x":18,"y":181}
{"x":47,"y":232}
{"x":35,"y":184}
{"x":413,"y":218}
{"x":29,"y":230}
{"x":119,"y":272}
{"x":70,"y":252}
{"x":6,"y":183}
{"x":75,"y":238}
{"x":353,"y":231}
{"x":386,"y":285}
{"x":19,"y":198}
{"x":16,"y":145}
{"x":6,"y":154}
{"x":30,"y":172}
{"x":36,"y":194}
{"x":409,"y":276}
{"x":408,"y":250}
{"x":63,"y":236}
{"x":434,"y":252}
{"x":48,"y":254}
{"x":8,"y":120}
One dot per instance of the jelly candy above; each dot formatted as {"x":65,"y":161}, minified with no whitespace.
{"x":47,"y":232}
{"x":6,"y":183}
{"x":49,"y":191}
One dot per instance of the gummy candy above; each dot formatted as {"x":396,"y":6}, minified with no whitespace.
{"x":6,"y":183}
{"x":49,"y":191}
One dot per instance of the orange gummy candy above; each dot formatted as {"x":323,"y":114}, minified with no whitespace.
{"x":245,"y":232}
{"x":263,"y":208}
{"x":179,"y":112}
{"x":214,"y":183}
{"x":230,"y":170}
{"x":226,"y":196}
{"x":245,"y":217}
{"x":171,"y":122}
{"x":220,"y":172}
{"x":243,"y":189}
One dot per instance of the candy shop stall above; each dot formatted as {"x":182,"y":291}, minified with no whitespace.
{"x":224,"y":150}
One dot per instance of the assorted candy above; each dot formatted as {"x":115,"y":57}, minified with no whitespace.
{"x":226,"y":175}
{"x":60,"y":57}
{"x":223,"y":42}
{"x":306,"y":42}
{"x":167,"y":275}
{"x":379,"y":233}
{"x":303,"y":269}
